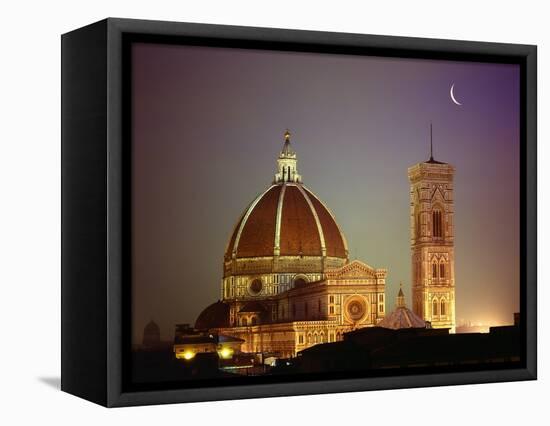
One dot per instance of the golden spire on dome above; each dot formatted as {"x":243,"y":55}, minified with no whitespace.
{"x":287,"y":149}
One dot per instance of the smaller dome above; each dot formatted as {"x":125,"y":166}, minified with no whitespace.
{"x":402,"y":317}
{"x":214,"y":316}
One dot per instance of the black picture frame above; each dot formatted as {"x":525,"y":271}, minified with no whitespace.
{"x":95,"y":204}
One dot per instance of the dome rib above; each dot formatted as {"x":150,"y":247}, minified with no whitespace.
{"x":277,"y":244}
{"x":237,"y":232}
{"x":257,"y":233}
{"x":317,"y":221}
{"x":299,"y":232}
{"x":335,"y":241}
{"x":231,"y":243}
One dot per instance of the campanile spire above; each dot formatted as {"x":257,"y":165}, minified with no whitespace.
{"x":431,"y":143}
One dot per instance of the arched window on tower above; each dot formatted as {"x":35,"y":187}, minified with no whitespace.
{"x":435,"y":311}
{"x":434,"y":270}
{"x":443,"y":307}
{"x":442,"y":269}
{"x":437,"y":229}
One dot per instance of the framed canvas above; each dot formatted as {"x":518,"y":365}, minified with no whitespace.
{"x":255,"y":212}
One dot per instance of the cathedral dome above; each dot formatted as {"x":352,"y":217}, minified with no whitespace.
{"x":287,"y":231}
{"x":286,"y":220}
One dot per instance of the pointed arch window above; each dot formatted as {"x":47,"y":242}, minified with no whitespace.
{"x":442,"y":270}
{"x":443,"y":307}
{"x":435,"y":311}
{"x":434,"y":270}
{"x":437,"y":228}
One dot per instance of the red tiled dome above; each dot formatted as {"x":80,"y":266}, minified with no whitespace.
{"x":286,"y":220}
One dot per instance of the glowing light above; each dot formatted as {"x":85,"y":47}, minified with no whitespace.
{"x":188,"y":355}
{"x":225,"y":353}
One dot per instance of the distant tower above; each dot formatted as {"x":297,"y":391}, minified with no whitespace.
{"x":432,"y":241}
{"x":151,"y":335}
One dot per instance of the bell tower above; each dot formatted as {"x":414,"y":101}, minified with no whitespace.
{"x":432,"y":241}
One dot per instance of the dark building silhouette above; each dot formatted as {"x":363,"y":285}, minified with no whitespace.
{"x":383,"y":348}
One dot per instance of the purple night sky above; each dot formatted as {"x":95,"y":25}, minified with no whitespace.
{"x":208,"y":125}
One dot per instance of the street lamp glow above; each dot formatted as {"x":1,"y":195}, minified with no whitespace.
{"x":188,"y":355}
{"x":225,"y":353}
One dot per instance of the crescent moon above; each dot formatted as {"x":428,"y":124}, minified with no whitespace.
{"x":453,"y":95}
